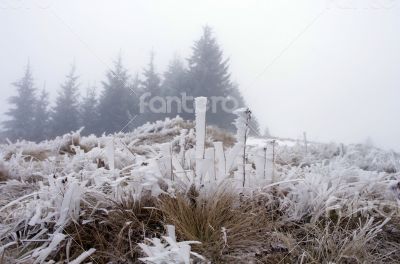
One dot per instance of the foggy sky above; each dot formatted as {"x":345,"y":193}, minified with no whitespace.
{"x":330,"y":68}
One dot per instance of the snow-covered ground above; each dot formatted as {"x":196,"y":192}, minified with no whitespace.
{"x":51,"y":184}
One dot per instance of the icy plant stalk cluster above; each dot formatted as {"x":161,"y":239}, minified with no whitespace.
{"x":168,"y":250}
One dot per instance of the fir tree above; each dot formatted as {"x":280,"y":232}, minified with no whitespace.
{"x":208,"y":70}
{"x":151,"y":86}
{"x":65,"y":114}
{"x":22,"y":115}
{"x":151,"y":82}
{"x":117,"y":101}
{"x":175,"y":84}
{"x":89,"y":117}
{"x":175,"y":78}
{"x":42,"y":117}
{"x":209,"y":76}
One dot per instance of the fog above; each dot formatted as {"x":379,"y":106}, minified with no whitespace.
{"x":330,"y":68}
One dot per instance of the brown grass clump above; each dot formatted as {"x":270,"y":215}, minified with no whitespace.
{"x":156,"y":138}
{"x":70,"y":141}
{"x":115,"y":234}
{"x":217,"y":134}
{"x":38,"y":155}
{"x":182,"y":124}
{"x":3,"y":172}
{"x":344,"y":240}
{"x":229,"y":229}
{"x":3,"y":176}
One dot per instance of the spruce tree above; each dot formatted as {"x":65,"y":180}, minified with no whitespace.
{"x":151,"y":84}
{"x":88,"y":112}
{"x":42,"y":117}
{"x":175,"y":85}
{"x":209,"y":76}
{"x":208,"y":70}
{"x":175,"y":78}
{"x":21,"y":120}
{"x":65,"y":114}
{"x":117,"y":101}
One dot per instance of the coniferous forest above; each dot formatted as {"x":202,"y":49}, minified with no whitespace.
{"x":116,"y":104}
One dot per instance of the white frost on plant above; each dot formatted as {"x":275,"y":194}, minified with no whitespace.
{"x":83,"y":256}
{"x":43,"y":252}
{"x":220,"y":161}
{"x":168,"y":250}
{"x":70,"y":205}
{"x":182,"y":140}
{"x":242,"y":130}
{"x":110,"y":154}
{"x":165,"y":160}
{"x":200,"y":111}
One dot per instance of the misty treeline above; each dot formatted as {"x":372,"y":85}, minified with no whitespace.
{"x":117,"y":106}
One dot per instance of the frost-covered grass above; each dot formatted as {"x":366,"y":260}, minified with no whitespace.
{"x":113,"y":198}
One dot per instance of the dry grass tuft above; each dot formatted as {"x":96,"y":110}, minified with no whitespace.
{"x":3,"y":172}
{"x":333,"y":243}
{"x":115,"y":234}
{"x":345,"y":240}
{"x":228,"y":229}
{"x":37,"y":155}
{"x":147,"y":139}
{"x":3,"y":176}
{"x":217,"y":134}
